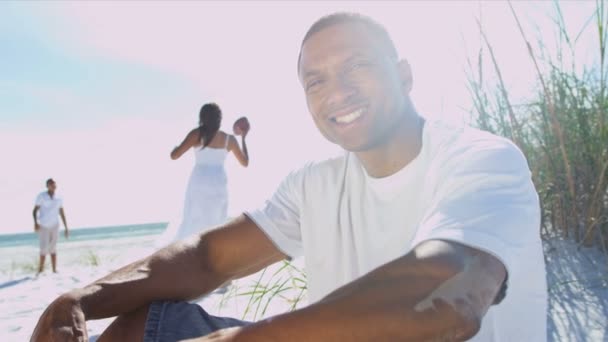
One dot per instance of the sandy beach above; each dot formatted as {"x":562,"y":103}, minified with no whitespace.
{"x":23,"y":296}
{"x":578,"y":286}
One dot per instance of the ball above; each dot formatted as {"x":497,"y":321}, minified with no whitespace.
{"x":241,"y":125}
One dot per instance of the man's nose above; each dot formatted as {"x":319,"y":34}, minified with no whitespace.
{"x":339,"y":92}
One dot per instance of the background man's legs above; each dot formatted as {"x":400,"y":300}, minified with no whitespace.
{"x":44,"y":240}
{"x":48,"y":245}
{"x":41,"y":263}
{"x":52,"y":246}
{"x":54,"y":262}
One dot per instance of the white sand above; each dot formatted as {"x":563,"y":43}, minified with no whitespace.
{"x":577,"y":285}
{"x":23,"y":297}
{"x":578,"y":292}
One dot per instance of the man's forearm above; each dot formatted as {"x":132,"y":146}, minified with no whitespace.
{"x":65,"y":223}
{"x":406,"y":299}
{"x":176,"y":272}
{"x":35,"y":214}
{"x":373,"y":308}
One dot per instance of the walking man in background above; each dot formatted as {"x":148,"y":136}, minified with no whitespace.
{"x":46,"y":223}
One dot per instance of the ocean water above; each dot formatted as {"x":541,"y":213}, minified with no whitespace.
{"x":86,"y":234}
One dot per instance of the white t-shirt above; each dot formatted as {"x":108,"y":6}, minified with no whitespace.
{"x":465,"y":185}
{"x":48,"y":214}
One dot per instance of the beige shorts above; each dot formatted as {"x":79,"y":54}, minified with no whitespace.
{"x":48,"y":239}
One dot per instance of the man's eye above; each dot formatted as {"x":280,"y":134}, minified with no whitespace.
{"x":358,"y":65}
{"x":313,"y":84}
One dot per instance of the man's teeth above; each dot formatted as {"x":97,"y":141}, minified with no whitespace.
{"x":348,"y":118}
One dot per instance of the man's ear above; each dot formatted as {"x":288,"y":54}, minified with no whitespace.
{"x":405,"y":76}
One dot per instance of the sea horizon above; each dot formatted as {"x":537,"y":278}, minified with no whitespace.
{"x":86,"y":233}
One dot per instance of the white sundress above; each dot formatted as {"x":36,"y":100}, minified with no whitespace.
{"x":206,"y":201}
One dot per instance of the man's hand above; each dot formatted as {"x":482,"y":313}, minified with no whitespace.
{"x":62,"y":321}
{"x":36,"y":227}
{"x":224,"y":335}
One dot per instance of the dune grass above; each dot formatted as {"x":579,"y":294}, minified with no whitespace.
{"x":282,"y":284}
{"x":562,"y":128}
{"x":24,"y":267}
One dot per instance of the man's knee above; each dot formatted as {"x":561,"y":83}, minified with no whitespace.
{"x":127,"y":327}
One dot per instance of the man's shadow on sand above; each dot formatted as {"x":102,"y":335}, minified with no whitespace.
{"x":14,"y":282}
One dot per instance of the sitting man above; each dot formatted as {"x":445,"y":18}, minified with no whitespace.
{"x":412,"y":235}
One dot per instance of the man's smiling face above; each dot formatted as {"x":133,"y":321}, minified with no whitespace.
{"x":355,"y":90}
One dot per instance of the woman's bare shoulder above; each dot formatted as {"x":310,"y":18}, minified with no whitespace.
{"x":194,"y":136}
{"x":194,"y":132}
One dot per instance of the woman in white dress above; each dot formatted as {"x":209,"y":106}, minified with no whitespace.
{"x":206,"y":201}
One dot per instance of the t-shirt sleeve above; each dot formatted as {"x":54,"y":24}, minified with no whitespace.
{"x":279,"y":217}
{"x":485,"y":199}
{"x":39,"y":200}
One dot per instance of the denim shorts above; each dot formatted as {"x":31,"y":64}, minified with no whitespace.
{"x":170,"y":321}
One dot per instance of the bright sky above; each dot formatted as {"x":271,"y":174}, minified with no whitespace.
{"x":96,"y":94}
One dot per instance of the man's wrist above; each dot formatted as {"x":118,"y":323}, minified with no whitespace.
{"x":253,"y":333}
{"x":282,"y":327}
